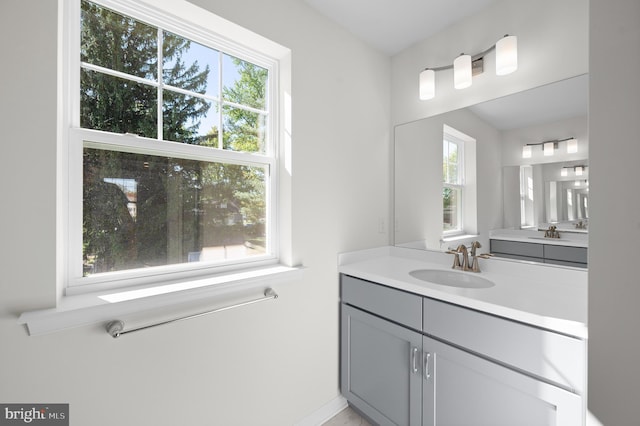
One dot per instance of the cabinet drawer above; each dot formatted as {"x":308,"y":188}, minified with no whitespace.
{"x":520,"y":249}
{"x":555,"y":357}
{"x":565,"y":263}
{"x":398,"y":306}
{"x":565,"y":253}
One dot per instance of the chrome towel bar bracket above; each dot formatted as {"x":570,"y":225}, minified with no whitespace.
{"x":116,"y":327}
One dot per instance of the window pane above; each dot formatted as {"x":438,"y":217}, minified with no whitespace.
{"x":243,"y":130}
{"x":190,"y":119}
{"x":450,"y":162}
{"x":117,"y":105}
{"x":117,"y":42}
{"x":143,"y":210}
{"x":451,"y":208}
{"x":189,"y":65}
{"x":244,"y":83}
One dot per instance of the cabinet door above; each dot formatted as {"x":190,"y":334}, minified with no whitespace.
{"x":465,"y":389}
{"x":380,"y":368}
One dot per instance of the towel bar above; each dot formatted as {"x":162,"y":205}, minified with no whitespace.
{"x":116,"y":327}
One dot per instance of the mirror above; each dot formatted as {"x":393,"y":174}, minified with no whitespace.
{"x":491,"y":136}
{"x":547,"y":194}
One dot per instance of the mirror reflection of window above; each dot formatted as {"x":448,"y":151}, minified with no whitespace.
{"x":570,"y":210}
{"x":452,"y":187}
{"x":526,"y":197}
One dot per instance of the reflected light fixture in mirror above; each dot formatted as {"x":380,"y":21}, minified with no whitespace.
{"x":465,"y":66}
{"x":577,"y":170}
{"x":549,"y":147}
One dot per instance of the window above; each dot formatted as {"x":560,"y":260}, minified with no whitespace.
{"x":171,"y":149}
{"x":453,"y":184}
{"x":526,"y":197}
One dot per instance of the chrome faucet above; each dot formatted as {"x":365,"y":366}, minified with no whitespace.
{"x":467,"y":265}
{"x":475,"y":265}
{"x":456,"y":259}
{"x":551,"y":232}
{"x":462,"y":249}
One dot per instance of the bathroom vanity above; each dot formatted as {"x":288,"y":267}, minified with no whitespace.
{"x":569,"y":250}
{"x":505,"y":346}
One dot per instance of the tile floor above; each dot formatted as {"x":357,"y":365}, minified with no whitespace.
{"x":347,"y":417}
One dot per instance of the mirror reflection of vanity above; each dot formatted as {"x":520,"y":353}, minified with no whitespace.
{"x":507,"y":194}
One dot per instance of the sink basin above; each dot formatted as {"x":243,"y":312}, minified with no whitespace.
{"x":451,"y":278}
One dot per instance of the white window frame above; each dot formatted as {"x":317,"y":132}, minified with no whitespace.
{"x":73,"y":137}
{"x":448,"y":138}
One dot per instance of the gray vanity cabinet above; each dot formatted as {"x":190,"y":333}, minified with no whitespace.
{"x":380,"y":368}
{"x":540,"y":252}
{"x":381,"y":358}
{"x":413,"y":360}
{"x":474,"y":391}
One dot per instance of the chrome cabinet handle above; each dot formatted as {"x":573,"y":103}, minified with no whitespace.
{"x":414,"y":360}
{"x":427,"y":361}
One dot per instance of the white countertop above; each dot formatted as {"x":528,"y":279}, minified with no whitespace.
{"x":572,"y":239}
{"x":546,"y":296}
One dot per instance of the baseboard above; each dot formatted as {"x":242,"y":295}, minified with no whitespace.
{"x":324,"y":413}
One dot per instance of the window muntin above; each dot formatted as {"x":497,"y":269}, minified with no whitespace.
{"x":452,"y":186}
{"x":171,"y":204}
{"x":126,"y":79}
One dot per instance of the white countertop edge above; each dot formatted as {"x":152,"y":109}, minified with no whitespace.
{"x":354,"y":264}
{"x":549,"y":241}
{"x":568,"y":239}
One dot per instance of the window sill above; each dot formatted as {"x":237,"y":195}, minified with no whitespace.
{"x":458,"y":237}
{"x":94,"y":308}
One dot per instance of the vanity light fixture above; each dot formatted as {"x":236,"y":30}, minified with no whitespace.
{"x":572,"y":146}
{"x":548,"y":147}
{"x":465,"y":66}
{"x":577,"y":170}
{"x":462,"y":72}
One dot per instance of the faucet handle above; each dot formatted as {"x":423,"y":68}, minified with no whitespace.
{"x":474,"y":246}
{"x":456,"y":259}
{"x":475,"y":265}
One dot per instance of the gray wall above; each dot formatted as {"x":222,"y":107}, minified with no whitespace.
{"x":614,"y":278}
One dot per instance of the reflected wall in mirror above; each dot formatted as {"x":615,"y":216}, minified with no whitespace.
{"x":539,"y":195}
{"x":492,"y":195}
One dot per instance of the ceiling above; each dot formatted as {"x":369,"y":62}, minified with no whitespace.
{"x":393,"y":25}
{"x":552,"y":102}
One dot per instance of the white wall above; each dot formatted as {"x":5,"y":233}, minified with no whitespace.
{"x":267,"y":364}
{"x":614,"y":278}
{"x":552,"y":46}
